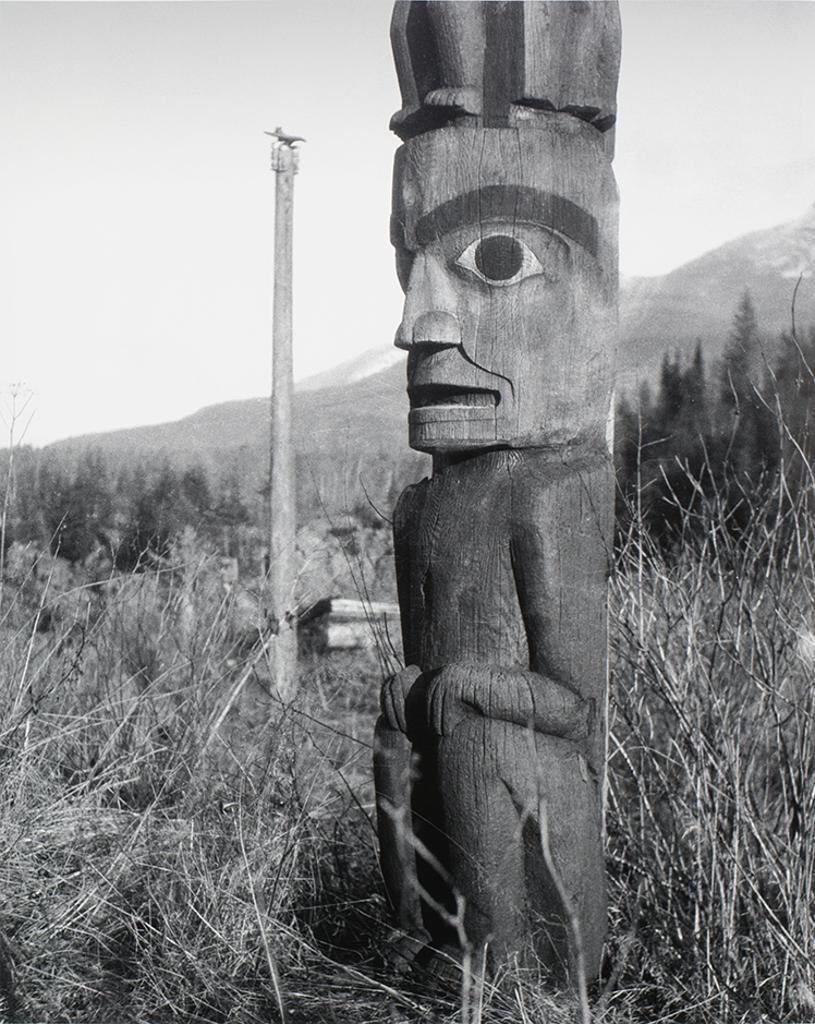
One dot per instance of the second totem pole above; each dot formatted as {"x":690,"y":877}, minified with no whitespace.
{"x":490,"y":750}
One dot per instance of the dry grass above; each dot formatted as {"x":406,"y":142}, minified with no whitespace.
{"x":166,"y":848}
{"x":712,"y":769}
{"x":175,"y":845}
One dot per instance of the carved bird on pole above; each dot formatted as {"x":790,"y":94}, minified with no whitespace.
{"x":281,"y":136}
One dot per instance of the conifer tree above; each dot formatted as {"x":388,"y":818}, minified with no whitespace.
{"x":741,"y":360}
{"x":742,"y":422}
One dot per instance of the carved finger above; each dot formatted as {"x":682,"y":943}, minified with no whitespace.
{"x":394,"y":694}
{"x":392,"y":703}
{"x":445,"y":708}
{"x":438,"y":712}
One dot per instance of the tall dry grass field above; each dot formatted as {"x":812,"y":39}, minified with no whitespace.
{"x":712,"y":768}
{"x":176,"y":845}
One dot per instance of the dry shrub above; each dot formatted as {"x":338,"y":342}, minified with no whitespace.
{"x":177,"y":845}
{"x":712,"y":768}
{"x":171,"y":837}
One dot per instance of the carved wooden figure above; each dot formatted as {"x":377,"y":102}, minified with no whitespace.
{"x":505,"y":229}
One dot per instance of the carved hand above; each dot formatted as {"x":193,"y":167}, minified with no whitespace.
{"x":522,"y":697}
{"x":393,"y":696}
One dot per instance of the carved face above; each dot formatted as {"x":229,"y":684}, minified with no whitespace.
{"x":505,"y":250}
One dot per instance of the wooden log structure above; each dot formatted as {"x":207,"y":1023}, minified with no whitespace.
{"x":345,"y":624}
{"x":494,"y":734}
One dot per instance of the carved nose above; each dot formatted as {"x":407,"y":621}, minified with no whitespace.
{"x":429,"y":318}
{"x":434,"y":329}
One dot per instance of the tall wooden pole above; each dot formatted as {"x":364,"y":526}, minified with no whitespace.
{"x":490,"y":752}
{"x":282,"y":491}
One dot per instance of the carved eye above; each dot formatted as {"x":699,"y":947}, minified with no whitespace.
{"x":500,"y":260}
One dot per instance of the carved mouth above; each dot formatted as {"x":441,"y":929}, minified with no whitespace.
{"x":426,"y":395}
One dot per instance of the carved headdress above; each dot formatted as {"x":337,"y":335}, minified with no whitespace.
{"x":496,"y":61}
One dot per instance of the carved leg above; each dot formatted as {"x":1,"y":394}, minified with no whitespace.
{"x":493,"y":777}
{"x":392,"y":778}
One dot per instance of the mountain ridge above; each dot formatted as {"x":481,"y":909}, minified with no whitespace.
{"x":669,"y":313}
{"x":349,"y":423}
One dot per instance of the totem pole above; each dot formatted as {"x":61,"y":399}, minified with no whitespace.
{"x":490,"y":750}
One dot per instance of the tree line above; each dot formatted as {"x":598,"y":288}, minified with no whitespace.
{"x":723,"y":435}
{"x":129,"y":516}
{"x":726,"y":436}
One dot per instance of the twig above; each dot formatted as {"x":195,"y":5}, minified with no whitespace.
{"x":261,"y":913}
{"x":571,"y":914}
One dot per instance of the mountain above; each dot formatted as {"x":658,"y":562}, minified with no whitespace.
{"x":352,"y":370}
{"x":350,"y":422}
{"x":350,"y":441}
{"x":697,"y":300}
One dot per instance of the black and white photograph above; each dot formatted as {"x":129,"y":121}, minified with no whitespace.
{"x":407,"y":512}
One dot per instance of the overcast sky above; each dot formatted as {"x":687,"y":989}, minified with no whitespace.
{"x":136,"y":201}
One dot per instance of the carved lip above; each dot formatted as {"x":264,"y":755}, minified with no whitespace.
{"x":427,"y":395}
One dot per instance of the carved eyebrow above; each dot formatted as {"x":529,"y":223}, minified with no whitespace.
{"x":511,"y":203}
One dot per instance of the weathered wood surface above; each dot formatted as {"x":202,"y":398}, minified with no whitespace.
{"x":457,"y":58}
{"x":548,"y":197}
{"x":281,"y":470}
{"x":503,"y":561}
{"x":505,"y":229}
